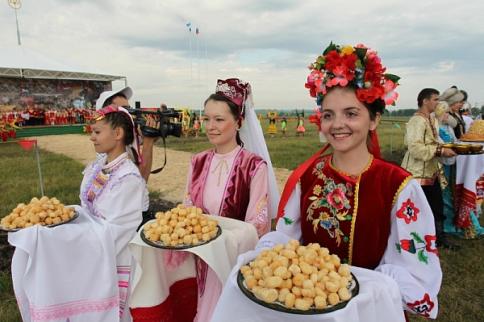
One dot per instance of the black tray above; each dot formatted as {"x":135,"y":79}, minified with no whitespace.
{"x":163,"y":246}
{"x":354,"y":289}
{"x":76,"y":214}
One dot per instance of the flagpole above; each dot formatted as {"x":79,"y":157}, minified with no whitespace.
{"x":16,"y":4}
{"x":37,"y":157}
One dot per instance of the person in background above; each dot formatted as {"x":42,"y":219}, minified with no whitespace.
{"x":422,"y":157}
{"x":455,"y":98}
{"x":284,"y":126}
{"x":465,"y":114}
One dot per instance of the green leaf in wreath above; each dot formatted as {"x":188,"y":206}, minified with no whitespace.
{"x":417,"y":237}
{"x":361,"y":53}
{"x":330,"y":47}
{"x":399,"y":248}
{"x":423,"y":257}
{"x":392,"y":77}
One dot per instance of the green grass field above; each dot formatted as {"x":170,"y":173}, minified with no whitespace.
{"x":462,"y":292}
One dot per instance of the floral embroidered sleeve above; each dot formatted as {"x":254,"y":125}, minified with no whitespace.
{"x":257,"y":213}
{"x":411,"y":257}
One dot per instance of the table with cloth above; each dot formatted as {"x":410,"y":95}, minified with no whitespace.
{"x":378,"y":300}
{"x":156,"y":284}
{"x":469,"y":193}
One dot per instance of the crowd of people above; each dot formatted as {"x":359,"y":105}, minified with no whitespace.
{"x":345,"y":197}
{"x":31,"y":116}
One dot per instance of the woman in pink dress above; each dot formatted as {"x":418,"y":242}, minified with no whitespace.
{"x":234,"y":179}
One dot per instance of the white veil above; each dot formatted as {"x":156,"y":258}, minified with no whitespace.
{"x":253,"y":138}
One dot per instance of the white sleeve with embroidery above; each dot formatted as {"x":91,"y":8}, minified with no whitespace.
{"x":411,"y":257}
{"x":257,"y":213}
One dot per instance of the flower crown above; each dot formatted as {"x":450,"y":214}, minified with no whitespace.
{"x":359,"y":67}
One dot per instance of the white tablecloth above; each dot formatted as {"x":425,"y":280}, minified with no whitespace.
{"x":378,"y":300}
{"x":469,"y":169}
{"x":153,"y":279}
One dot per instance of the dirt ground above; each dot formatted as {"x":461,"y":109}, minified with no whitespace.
{"x":170,"y":183}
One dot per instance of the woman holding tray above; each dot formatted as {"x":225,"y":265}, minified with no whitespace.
{"x":234,"y":179}
{"x":81,"y":271}
{"x":369,"y":212}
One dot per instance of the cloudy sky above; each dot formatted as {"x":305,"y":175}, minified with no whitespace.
{"x":266,"y":42}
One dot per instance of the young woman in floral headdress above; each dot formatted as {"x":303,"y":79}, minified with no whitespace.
{"x":369,"y":212}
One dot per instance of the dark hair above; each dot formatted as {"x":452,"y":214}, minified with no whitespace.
{"x":122,"y":120}
{"x":234,"y":110}
{"x":109,"y":101}
{"x":378,"y":105}
{"x":426,"y":93}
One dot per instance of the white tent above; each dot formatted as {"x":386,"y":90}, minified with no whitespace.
{"x":18,"y":61}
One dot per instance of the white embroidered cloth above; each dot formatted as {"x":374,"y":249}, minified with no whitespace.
{"x":469,"y":169}
{"x":153,"y":279}
{"x":66,"y":272}
{"x":378,"y":300}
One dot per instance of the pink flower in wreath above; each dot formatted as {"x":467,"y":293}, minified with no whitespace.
{"x":336,"y":198}
{"x":390,"y":95}
{"x":408,"y":212}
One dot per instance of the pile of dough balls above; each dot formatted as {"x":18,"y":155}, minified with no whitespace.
{"x":298,"y":277}
{"x":43,"y":211}
{"x":181,"y":226}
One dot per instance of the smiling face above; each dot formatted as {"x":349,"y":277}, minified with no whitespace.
{"x":345,"y":121}
{"x":220,"y":125}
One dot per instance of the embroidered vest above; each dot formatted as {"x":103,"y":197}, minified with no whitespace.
{"x":237,"y":191}
{"x":350,"y":216}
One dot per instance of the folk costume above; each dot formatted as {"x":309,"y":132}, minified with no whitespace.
{"x":379,"y":220}
{"x":240,"y":185}
{"x":81,"y":271}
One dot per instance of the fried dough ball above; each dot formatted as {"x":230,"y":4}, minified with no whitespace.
{"x":182,"y":225}
{"x":43,"y":211}
{"x":304,"y":277}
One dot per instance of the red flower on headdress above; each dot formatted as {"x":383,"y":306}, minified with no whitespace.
{"x":356,"y":66}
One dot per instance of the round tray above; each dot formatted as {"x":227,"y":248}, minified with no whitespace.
{"x":163,"y":246}
{"x":354,"y":289}
{"x":76,"y":214}
{"x":469,"y":140}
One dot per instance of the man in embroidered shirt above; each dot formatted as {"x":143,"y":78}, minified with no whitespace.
{"x":421,"y":158}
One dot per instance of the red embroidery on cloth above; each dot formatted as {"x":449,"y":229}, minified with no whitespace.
{"x":408,"y":211}
{"x":465,"y":203}
{"x":422,"y":307}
